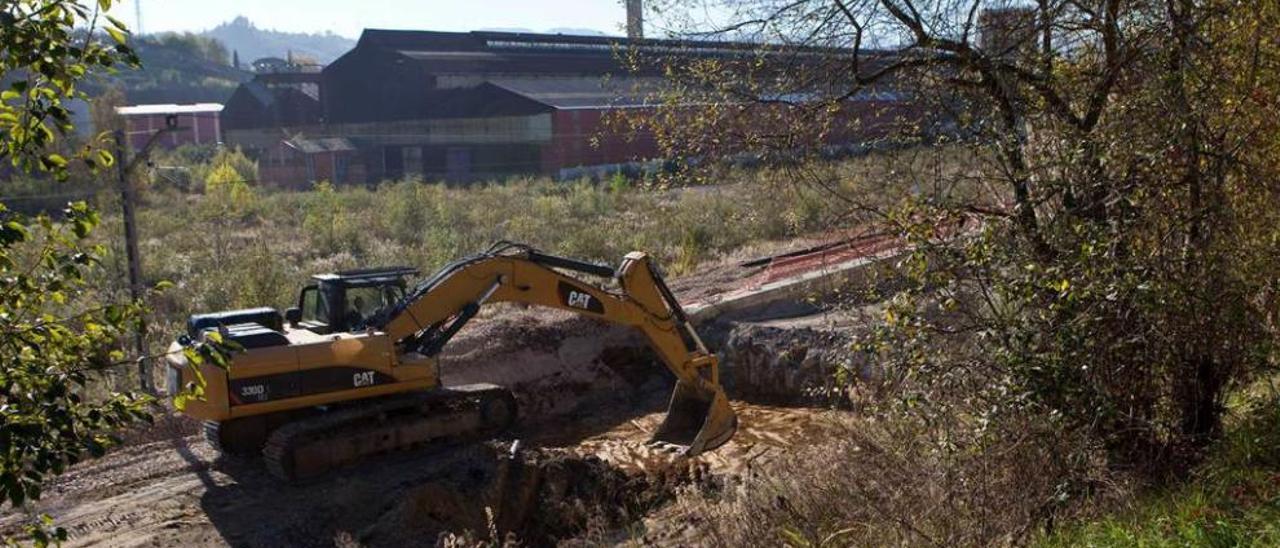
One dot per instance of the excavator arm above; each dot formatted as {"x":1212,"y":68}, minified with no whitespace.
{"x":699,"y":417}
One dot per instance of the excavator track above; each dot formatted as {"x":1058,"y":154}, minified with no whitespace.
{"x":246,"y":436}
{"x":312,"y":446}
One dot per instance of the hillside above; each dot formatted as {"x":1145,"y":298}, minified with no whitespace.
{"x":180,"y":68}
{"x":250,"y":42}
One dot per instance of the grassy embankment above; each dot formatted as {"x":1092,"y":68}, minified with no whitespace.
{"x":1231,"y":499}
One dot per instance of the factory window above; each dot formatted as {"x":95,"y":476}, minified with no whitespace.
{"x":392,"y":162}
{"x":412,"y":160}
{"x":340,"y":168}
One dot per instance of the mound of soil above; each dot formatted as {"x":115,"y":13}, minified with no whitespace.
{"x":556,"y":364}
{"x":538,"y":496}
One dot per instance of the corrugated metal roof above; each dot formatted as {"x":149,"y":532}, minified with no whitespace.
{"x":528,"y":53}
{"x":259,"y":92}
{"x":417,"y":40}
{"x":170,"y":108}
{"x":270,"y":94}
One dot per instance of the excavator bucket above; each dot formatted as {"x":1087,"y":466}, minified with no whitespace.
{"x":697,"y":420}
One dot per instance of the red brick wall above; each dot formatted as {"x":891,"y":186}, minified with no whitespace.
{"x":582,"y":137}
{"x":200,"y":128}
{"x":283,"y":166}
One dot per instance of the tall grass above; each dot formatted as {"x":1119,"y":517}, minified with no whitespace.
{"x":221,"y":257}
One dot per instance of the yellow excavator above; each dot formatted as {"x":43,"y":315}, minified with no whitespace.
{"x":353,"y":370}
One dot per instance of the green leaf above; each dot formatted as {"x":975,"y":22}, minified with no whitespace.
{"x":105,"y":158}
{"x":81,"y":228}
{"x":118,"y":35}
{"x":117,"y":23}
{"x":54,"y":161}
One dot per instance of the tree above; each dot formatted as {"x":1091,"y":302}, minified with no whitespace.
{"x":57,"y":330}
{"x":55,"y":333}
{"x":228,"y":189}
{"x":227,"y":197}
{"x":102,"y":110}
{"x":1116,"y":274}
{"x":194,"y":45}
{"x":49,"y":49}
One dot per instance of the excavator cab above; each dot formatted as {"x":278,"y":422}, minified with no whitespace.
{"x":346,"y":301}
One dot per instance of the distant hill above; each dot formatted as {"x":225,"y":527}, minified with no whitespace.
{"x":241,"y":36}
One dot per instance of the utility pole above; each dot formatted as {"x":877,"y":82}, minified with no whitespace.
{"x":127,"y":198}
{"x":137,"y":11}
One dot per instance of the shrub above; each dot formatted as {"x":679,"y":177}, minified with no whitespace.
{"x":327,"y":223}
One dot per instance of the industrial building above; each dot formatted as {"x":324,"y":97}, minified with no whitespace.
{"x":455,"y":106}
{"x":458,"y":106}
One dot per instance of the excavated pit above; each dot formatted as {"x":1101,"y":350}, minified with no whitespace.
{"x":591,"y":395}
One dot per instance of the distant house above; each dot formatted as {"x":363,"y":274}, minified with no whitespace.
{"x":267,"y":65}
{"x":196,"y":124}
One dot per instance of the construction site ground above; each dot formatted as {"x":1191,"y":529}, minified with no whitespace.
{"x":577,"y":464}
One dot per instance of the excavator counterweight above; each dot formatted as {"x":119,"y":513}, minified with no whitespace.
{"x":353,"y":369}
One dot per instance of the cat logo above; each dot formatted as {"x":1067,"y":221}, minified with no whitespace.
{"x":581,"y":300}
{"x":363,"y":378}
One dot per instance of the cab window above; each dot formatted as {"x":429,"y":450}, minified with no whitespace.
{"x":314,"y":308}
{"x":364,"y":302}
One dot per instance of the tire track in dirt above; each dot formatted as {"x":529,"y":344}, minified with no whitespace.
{"x":120,"y":498}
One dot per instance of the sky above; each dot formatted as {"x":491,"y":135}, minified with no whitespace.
{"x":348,"y":18}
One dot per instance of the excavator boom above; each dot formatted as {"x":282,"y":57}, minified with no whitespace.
{"x":699,"y":417}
